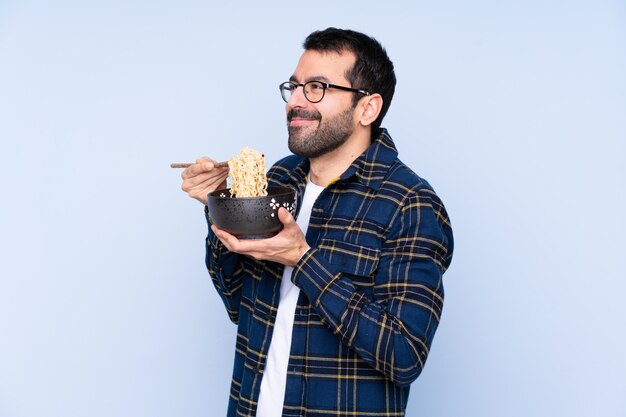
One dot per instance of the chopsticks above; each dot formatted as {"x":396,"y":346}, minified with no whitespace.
{"x":187,"y":164}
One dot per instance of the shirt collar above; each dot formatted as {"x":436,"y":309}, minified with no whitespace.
{"x":371,"y":167}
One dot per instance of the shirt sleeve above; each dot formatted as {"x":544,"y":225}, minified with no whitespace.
{"x":391,"y":327}
{"x":225,"y":269}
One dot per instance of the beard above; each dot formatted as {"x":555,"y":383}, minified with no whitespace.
{"x":314,"y":142}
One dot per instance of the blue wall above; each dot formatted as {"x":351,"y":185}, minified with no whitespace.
{"x":514,"y":111}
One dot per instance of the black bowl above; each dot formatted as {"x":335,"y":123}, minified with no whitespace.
{"x":251,"y":217}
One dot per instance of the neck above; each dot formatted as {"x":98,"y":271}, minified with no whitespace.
{"x":328,"y":167}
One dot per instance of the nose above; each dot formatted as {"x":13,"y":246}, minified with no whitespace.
{"x":297,"y":98}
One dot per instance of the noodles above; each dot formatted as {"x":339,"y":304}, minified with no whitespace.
{"x":247,"y":174}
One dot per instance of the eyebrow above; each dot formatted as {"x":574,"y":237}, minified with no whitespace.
{"x":316,"y":78}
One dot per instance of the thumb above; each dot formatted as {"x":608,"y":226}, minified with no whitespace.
{"x":285,"y":217}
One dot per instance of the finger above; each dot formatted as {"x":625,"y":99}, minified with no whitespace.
{"x":226,"y":238}
{"x":201,"y":166}
{"x":219,"y":233}
{"x":285,"y":217}
{"x":208,"y":178}
{"x":203,"y":181}
{"x":196,"y":169}
{"x":201,"y":191}
{"x":256,"y":249}
{"x":203,"y":159}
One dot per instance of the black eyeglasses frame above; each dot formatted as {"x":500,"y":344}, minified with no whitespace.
{"x":282,"y":88}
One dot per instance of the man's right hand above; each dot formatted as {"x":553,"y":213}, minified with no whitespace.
{"x":202,"y":178}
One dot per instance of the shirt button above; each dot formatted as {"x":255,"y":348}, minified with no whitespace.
{"x":256,"y":370}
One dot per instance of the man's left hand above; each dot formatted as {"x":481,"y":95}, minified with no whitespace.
{"x":287,"y":247}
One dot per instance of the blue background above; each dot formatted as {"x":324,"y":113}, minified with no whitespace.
{"x":514,"y":111}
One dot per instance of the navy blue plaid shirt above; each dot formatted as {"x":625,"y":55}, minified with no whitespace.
{"x":371,"y":291}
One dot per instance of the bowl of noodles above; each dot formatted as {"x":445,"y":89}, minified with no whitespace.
{"x":248,"y":209}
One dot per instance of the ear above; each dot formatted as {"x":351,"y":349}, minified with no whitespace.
{"x":370,"y":107}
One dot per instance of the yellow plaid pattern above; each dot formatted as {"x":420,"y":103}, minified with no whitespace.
{"x":371,"y":291}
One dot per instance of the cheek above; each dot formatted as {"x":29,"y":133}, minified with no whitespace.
{"x":327,"y":111}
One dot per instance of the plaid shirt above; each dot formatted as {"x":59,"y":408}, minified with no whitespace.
{"x":371,"y":291}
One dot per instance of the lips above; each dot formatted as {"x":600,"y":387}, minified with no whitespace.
{"x":297,"y":116}
{"x":297,"y":122}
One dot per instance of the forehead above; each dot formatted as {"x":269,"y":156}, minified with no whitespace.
{"x":323,"y":66}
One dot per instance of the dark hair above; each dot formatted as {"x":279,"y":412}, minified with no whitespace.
{"x":372,"y":71}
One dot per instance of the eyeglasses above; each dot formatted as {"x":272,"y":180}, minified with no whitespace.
{"x":313,"y":90}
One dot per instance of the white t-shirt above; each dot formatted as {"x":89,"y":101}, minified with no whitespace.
{"x":272,"y":394}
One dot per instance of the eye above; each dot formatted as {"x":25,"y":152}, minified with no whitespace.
{"x":316,"y":85}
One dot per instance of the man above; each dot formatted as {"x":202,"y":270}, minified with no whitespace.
{"x":335,"y":314}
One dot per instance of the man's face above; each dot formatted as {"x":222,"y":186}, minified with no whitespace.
{"x":318,"y":128}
